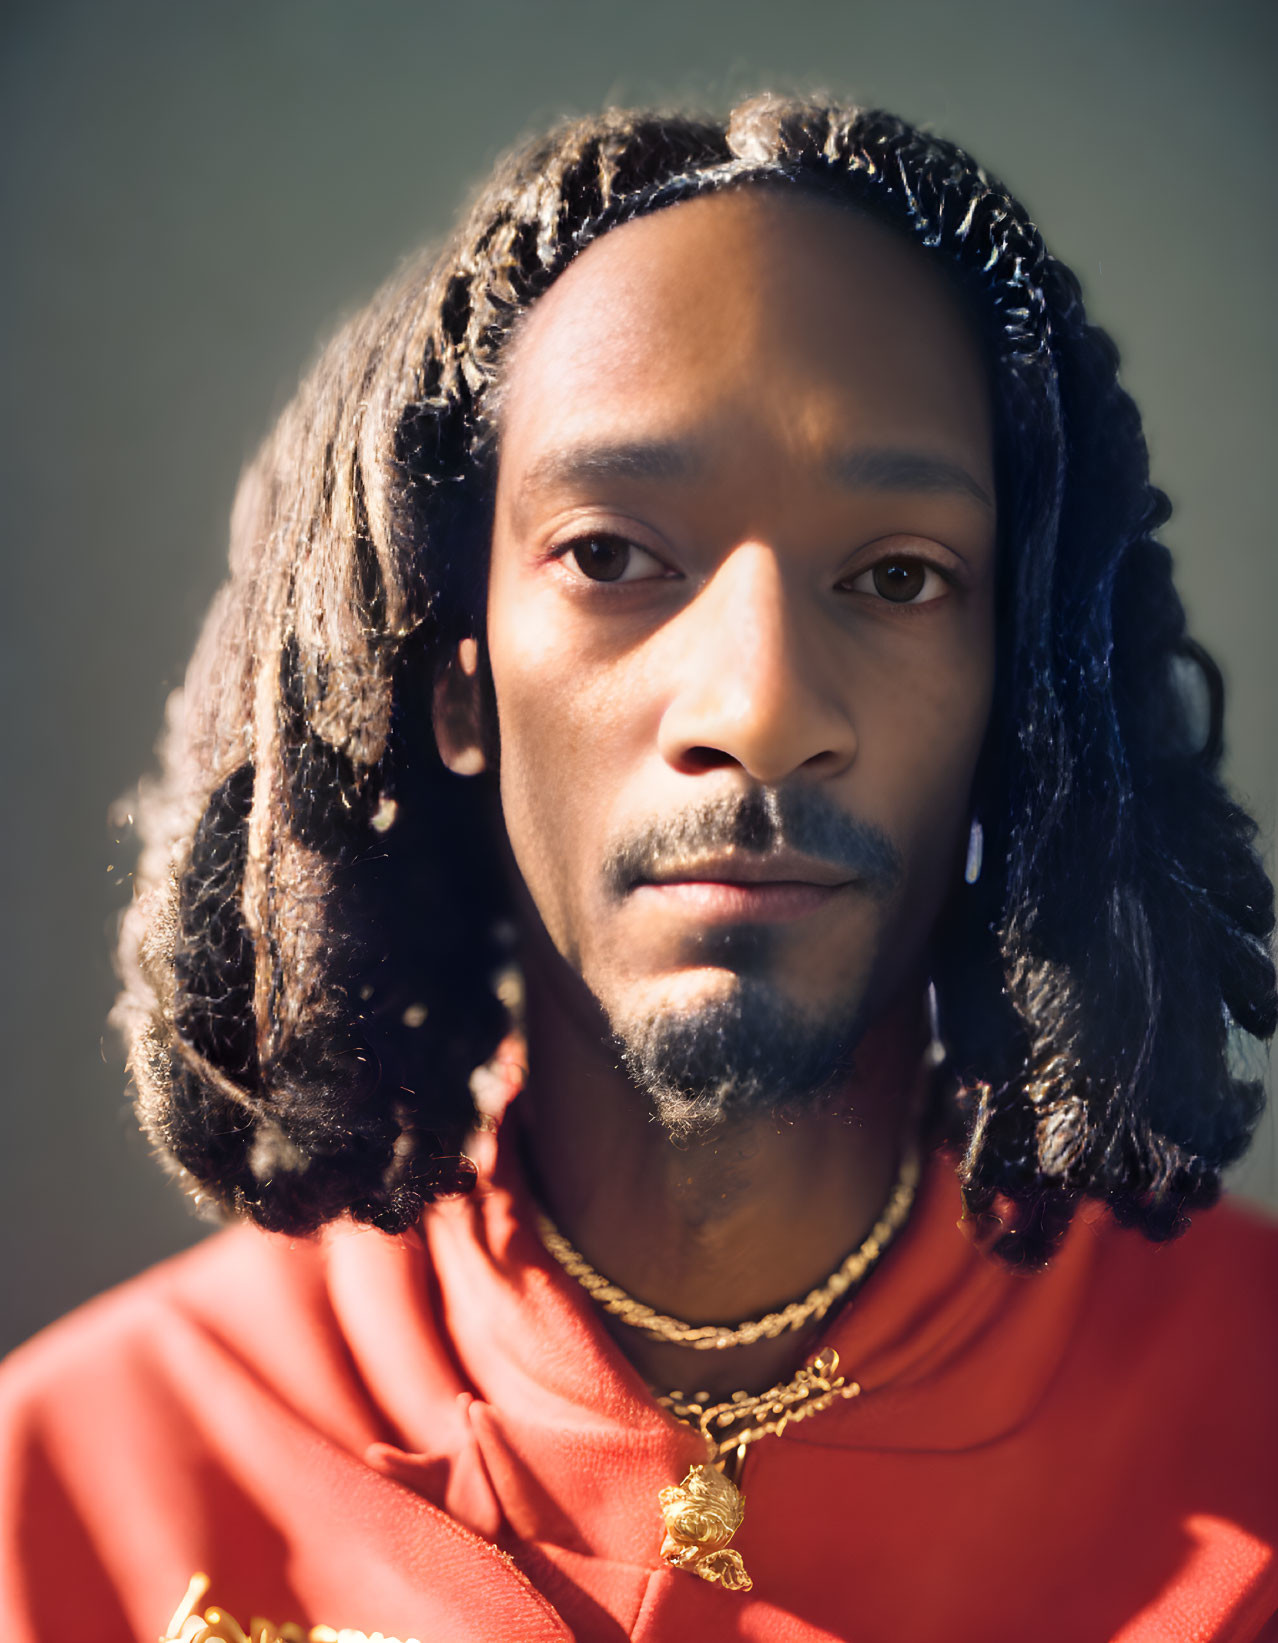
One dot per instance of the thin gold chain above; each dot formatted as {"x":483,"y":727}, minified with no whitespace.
{"x":746,"y":1417}
{"x":715,"y":1337}
{"x":701,"y":1515}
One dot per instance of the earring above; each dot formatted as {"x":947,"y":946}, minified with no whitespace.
{"x":936,"y":1052}
{"x":975,"y":852}
{"x":467,"y":761}
{"x":456,"y":713}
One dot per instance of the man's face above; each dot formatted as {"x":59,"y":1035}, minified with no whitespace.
{"x":740,"y":625}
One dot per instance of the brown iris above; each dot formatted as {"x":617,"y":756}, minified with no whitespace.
{"x":602,"y":558}
{"x":900,"y":580}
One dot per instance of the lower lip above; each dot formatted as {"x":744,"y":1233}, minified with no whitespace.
{"x":714,"y":900}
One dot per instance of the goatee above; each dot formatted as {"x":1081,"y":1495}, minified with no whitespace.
{"x":751,"y":1054}
{"x":752,"y":1051}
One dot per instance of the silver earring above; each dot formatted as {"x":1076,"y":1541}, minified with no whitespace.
{"x":935,"y":1053}
{"x":975,"y":852}
{"x":467,"y":761}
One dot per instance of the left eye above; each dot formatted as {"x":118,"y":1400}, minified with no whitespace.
{"x":901,"y":581}
{"x":605,"y":558}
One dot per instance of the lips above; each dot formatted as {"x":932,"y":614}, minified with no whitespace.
{"x":742,"y":867}
{"x":716,"y":901}
{"x":735,"y":887}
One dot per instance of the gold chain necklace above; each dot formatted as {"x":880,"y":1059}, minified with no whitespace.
{"x":702,"y":1513}
{"x":716,"y":1337}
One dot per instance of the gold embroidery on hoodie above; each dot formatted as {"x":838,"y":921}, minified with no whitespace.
{"x":216,"y":1626}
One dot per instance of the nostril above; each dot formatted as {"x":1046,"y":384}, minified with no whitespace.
{"x":824,"y":764}
{"x":697,"y":759}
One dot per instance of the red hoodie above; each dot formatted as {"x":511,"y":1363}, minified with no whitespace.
{"x":431,"y":1437}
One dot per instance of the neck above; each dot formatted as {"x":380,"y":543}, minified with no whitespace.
{"x":727,"y":1227}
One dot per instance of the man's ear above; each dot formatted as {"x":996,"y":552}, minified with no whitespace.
{"x":457,"y":712}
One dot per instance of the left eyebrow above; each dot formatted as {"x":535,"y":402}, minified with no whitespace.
{"x":891,"y":469}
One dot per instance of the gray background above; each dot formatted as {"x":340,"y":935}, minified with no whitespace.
{"x":192,"y":195}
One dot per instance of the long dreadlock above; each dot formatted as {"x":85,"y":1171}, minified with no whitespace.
{"x":302,"y":1044}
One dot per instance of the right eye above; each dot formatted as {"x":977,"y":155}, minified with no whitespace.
{"x":605,"y":558}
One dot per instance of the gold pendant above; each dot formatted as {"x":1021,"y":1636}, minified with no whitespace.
{"x":701,"y":1515}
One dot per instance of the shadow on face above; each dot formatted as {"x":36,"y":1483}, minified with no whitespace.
{"x":743,"y":564}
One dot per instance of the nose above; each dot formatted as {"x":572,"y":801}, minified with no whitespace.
{"x":754,"y":686}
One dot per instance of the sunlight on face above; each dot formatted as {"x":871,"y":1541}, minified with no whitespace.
{"x":740,"y":626}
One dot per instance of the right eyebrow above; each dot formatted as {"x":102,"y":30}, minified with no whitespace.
{"x":632,"y":459}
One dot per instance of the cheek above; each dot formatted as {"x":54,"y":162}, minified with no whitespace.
{"x":568,"y":733}
{"x":540,"y":789}
{"x":918,"y":766}
{"x":922,"y":744}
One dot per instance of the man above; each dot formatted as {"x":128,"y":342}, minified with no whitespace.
{"x":698,"y":656}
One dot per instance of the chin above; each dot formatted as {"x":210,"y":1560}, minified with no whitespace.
{"x":716,"y":1051}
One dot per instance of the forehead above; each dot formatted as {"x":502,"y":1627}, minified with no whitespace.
{"x":803,"y":314}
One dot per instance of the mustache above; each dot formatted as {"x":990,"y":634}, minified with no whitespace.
{"x":804,"y":820}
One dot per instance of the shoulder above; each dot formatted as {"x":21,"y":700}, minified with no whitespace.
{"x":280,"y":1413}
{"x":129,"y":1426}
{"x":221,"y":1288}
{"x":247,"y":1319}
{"x":1177,"y":1345}
{"x":1220,"y":1275}
{"x":132,"y":1371}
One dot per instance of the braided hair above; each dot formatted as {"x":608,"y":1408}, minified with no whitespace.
{"x":308,"y":966}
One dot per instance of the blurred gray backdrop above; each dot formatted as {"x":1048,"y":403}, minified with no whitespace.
{"x":193,"y":194}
